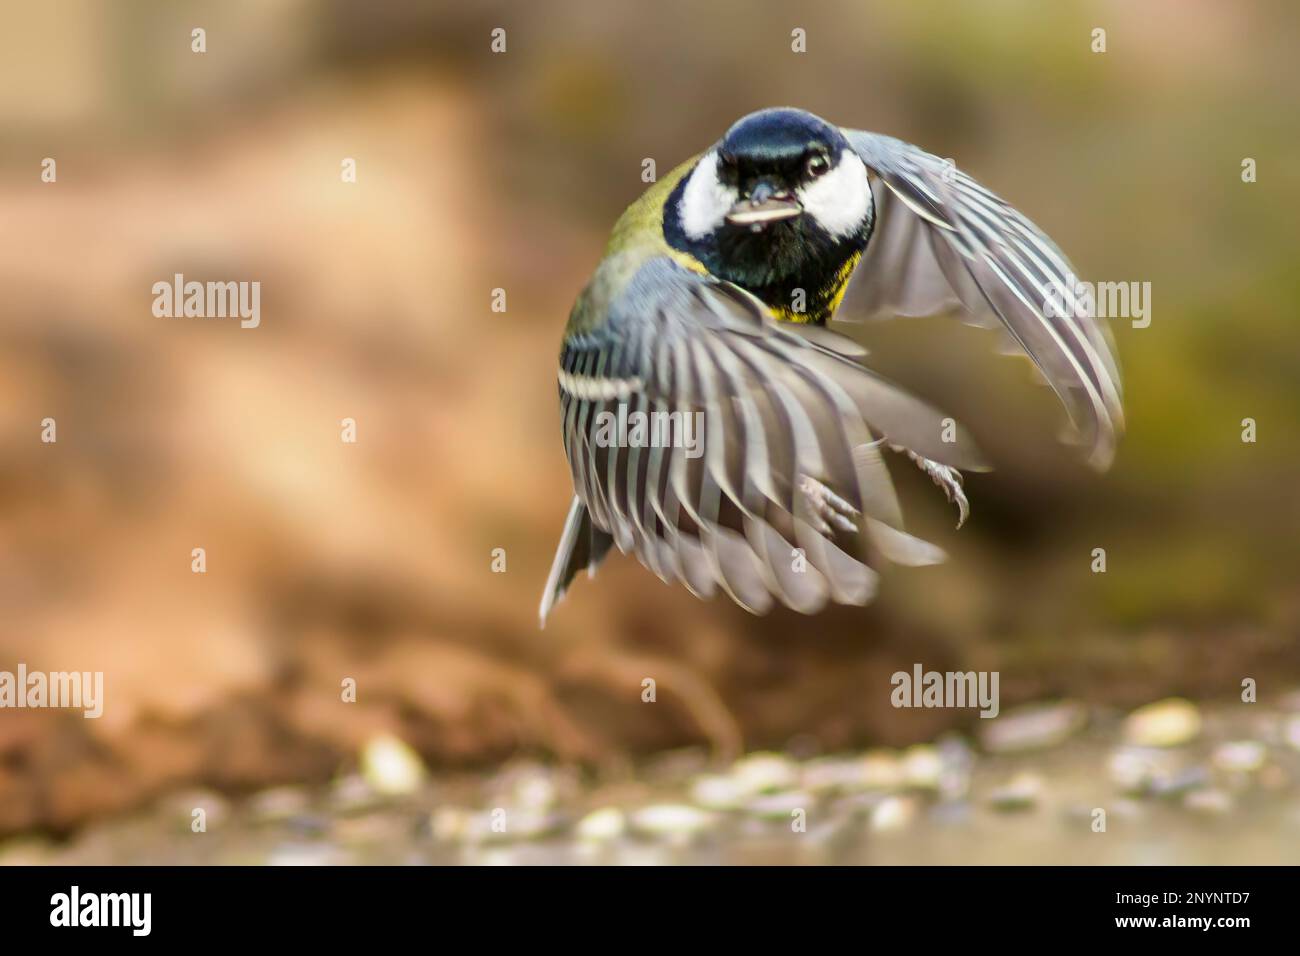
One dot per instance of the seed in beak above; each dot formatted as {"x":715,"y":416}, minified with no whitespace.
{"x":749,"y":213}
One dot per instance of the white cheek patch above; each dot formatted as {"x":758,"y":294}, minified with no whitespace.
{"x":840,"y":200}
{"x":705,"y":200}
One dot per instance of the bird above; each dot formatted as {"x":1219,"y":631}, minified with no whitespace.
{"x":720,"y":303}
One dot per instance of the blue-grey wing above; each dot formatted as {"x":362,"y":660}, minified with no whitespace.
{"x":943,"y":241}
{"x":759,"y":467}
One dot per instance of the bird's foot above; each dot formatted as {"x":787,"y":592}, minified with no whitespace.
{"x":828,"y":511}
{"x":947,"y":478}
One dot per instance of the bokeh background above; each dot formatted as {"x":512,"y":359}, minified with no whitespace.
{"x":476,"y":171}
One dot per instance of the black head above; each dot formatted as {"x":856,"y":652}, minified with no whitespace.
{"x":785,"y":145}
{"x":781,"y":202}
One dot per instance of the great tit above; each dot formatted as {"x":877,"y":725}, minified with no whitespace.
{"x":713,"y":305}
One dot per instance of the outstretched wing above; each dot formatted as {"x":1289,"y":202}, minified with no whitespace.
{"x":942,"y":240}
{"x":772,"y":484}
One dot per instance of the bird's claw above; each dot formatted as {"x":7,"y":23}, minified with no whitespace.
{"x":948,"y":479}
{"x":829,"y":512}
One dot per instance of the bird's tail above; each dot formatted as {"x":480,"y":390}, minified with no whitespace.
{"x":582,"y":545}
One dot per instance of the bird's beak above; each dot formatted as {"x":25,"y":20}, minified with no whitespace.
{"x":764,"y":204}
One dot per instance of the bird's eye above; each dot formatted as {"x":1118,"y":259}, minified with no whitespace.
{"x":816,"y":165}
{"x":728,"y":160}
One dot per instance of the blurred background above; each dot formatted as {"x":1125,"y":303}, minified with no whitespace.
{"x":373,"y":560}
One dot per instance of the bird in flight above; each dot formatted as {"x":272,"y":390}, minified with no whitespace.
{"x":717,"y":423}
